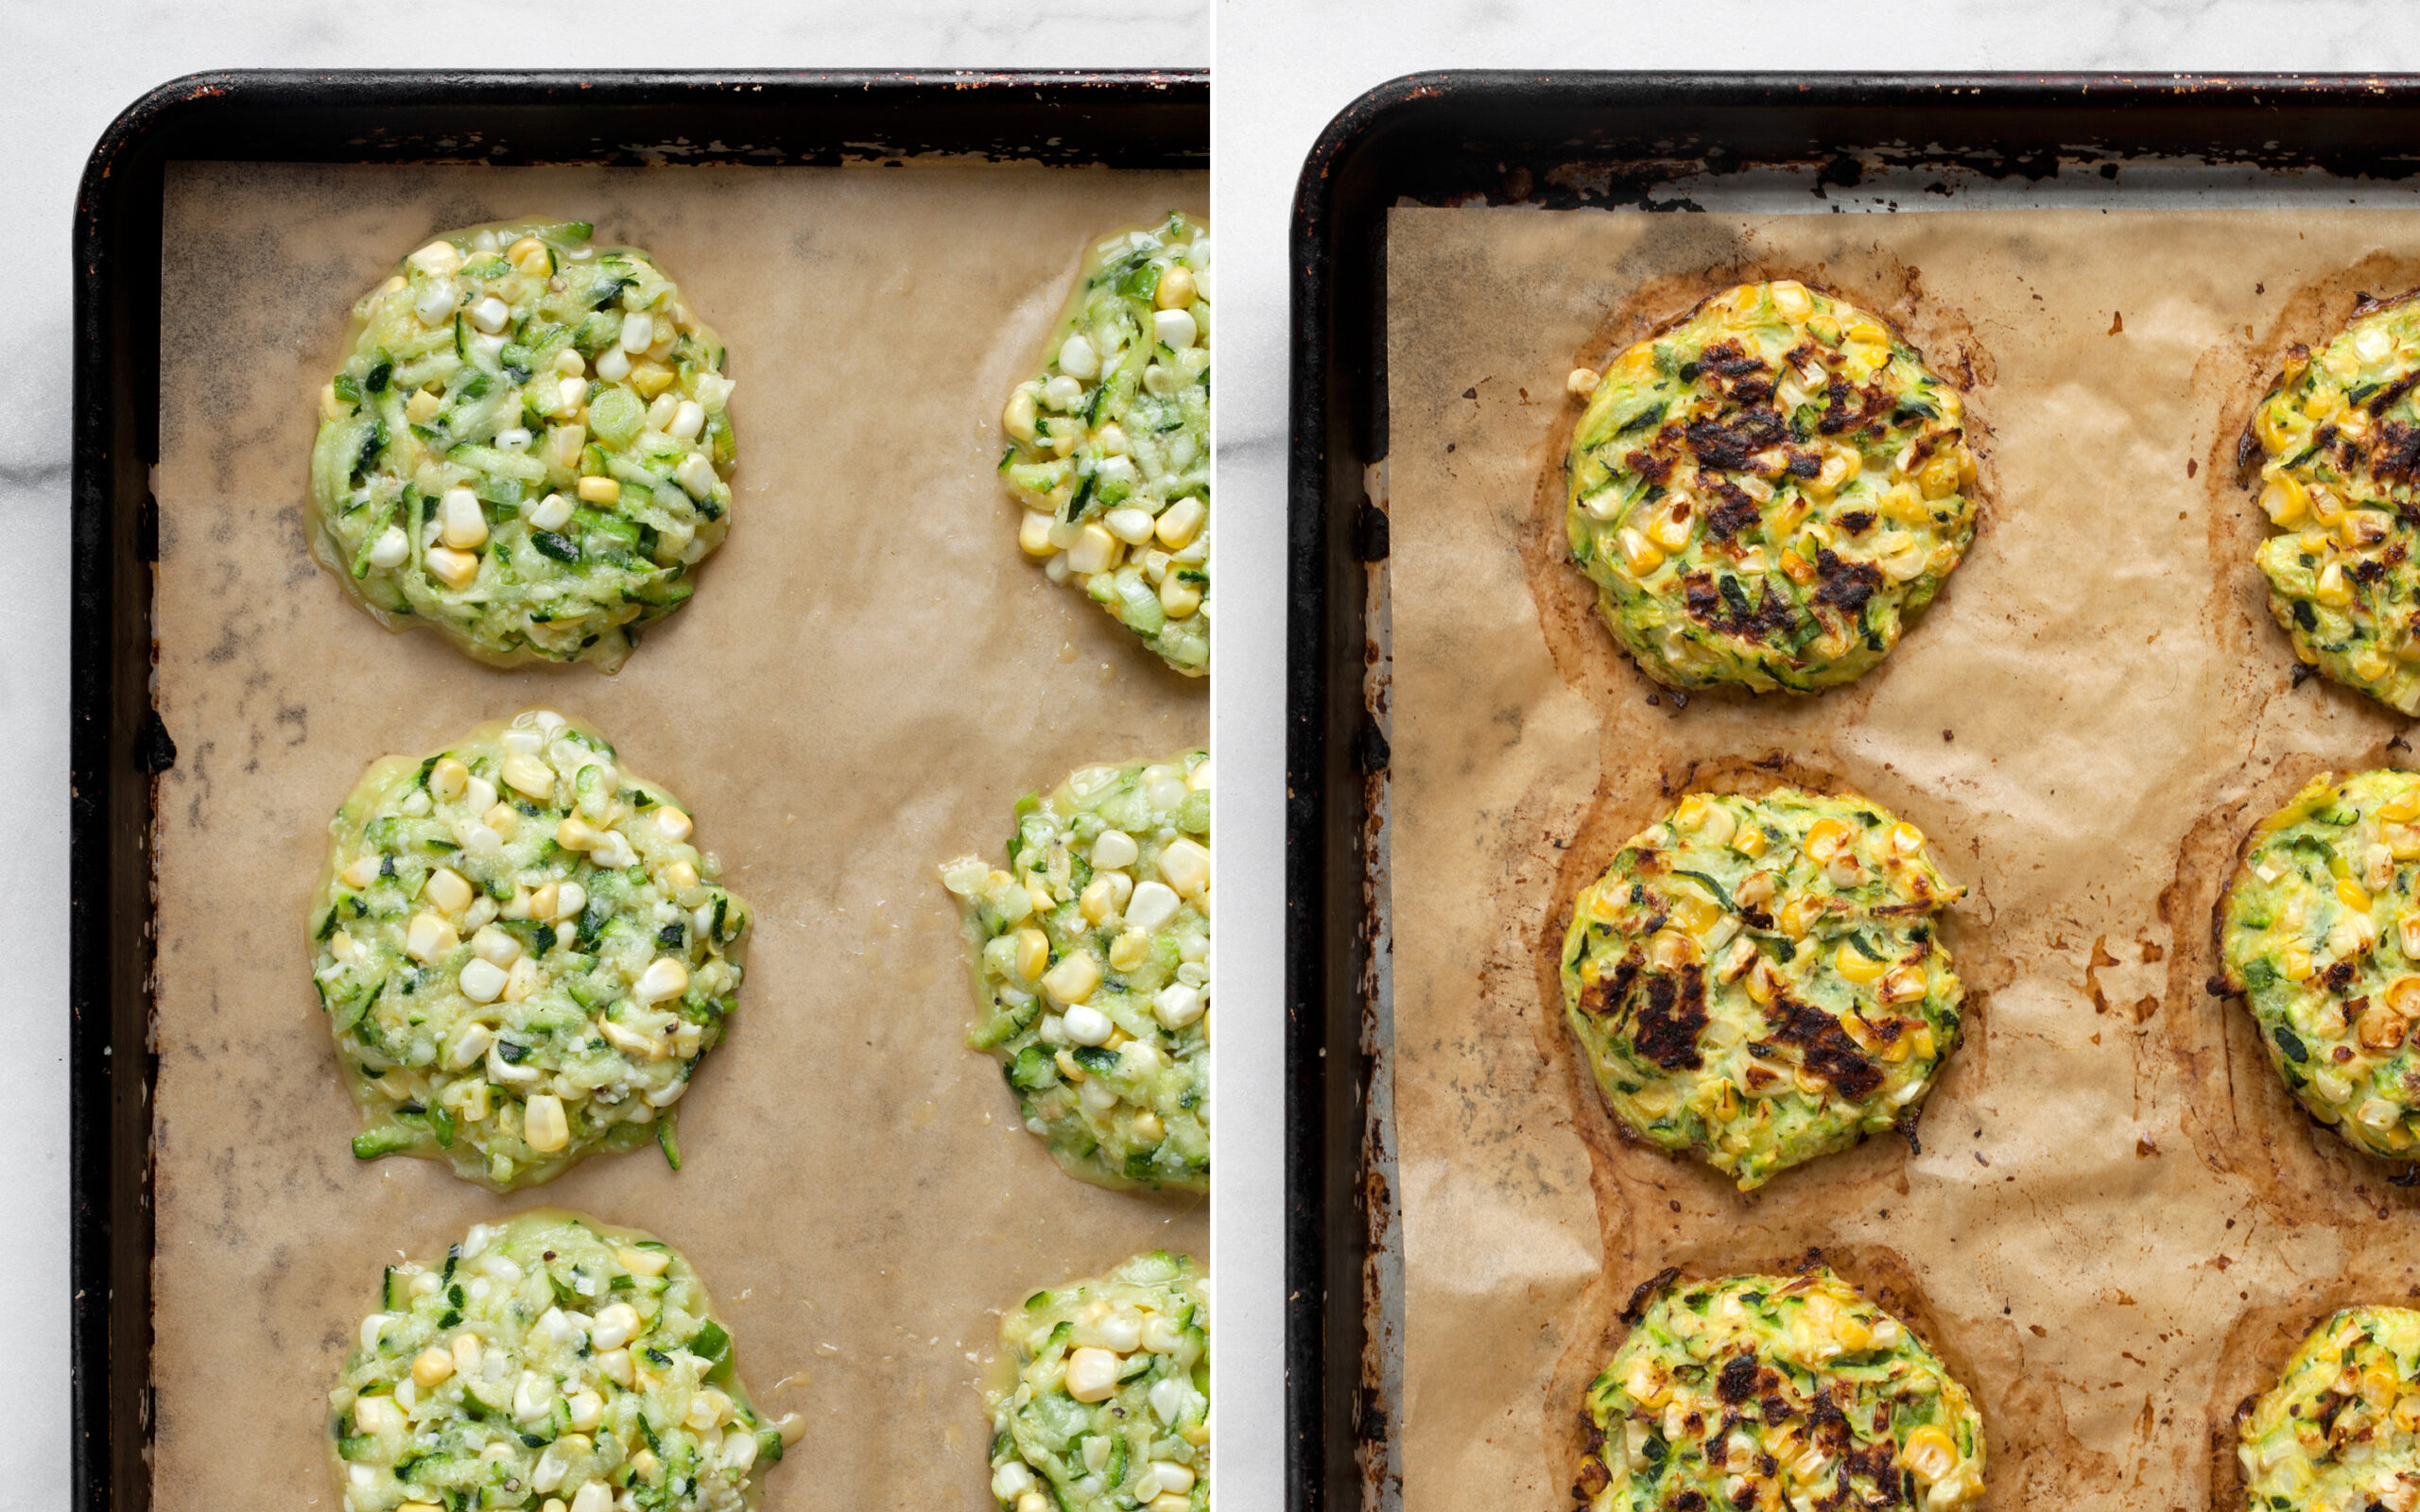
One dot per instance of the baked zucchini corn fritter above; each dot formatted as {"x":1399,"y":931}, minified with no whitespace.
{"x":553,"y":1362}
{"x":1109,"y":450}
{"x":1773,"y":1392}
{"x":2339,"y":1432}
{"x":1093,"y":969}
{"x":1761,"y":980}
{"x":1108,"y":1409}
{"x":527,"y":447}
{"x":523,"y":958}
{"x":1765,"y":493}
{"x":2339,"y":438}
{"x":2320,"y":931}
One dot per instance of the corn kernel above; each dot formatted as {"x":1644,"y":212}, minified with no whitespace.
{"x":447,"y":778}
{"x":1645,"y":1382}
{"x":2349,"y":893}
{"x":1750,"y":841}
{"x":447,"y":891}
{"x":1638,"y":556}
{"x":2284,"y":502}
{"x":542,"y":1124}
{"x":1671,"y":950}
{"x":1824,"y":839}
{"x":2379,"y":1385}
{"x":428,"y":937}
{"x":2380,"y":1028}
{"x":1854,"y":965}
{"x":2403,"y":808}
{"x":1930,"y":1452}
{"x":1941,"y":476}
{"x":1074,"y":978}
{"x":1018,"y":415}
{"x":1179,"y":598}
{"x":594,"y":489}
{"x":1179,"y":523}
{"x":1130,"y":950}
{"x":1713,"y":823}
{"x":1693,"y":913}
{"x":643,"y":1261}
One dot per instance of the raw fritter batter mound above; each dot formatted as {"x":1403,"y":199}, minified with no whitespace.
{"x":1109,"y":450}
{"x":1765,"y":493}
{"x":1760,"y":979}
{"x":523,"y":958}
{"x":2340,"y":442}
{"x":527,"y":447}
{"x":1772,"y":1392}
{"x":2320,"y":931}
{"x":1093,"y":967}
{"x":2339,"y":1432}
{"x":1108,"y":1409}
{"x":553,"y":1363}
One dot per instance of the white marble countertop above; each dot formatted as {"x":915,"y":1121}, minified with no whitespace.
{"x":1284,"y":68}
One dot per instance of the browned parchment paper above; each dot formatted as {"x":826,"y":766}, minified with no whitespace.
{"x":2119,"y":1224}
{"x":868,"y":679}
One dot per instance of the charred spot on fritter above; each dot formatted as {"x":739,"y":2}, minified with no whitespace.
{"x":1723,"y":605}
{"x":1670,"y":1022}
{"x":1732,"y":512}
{"x":1825,"y":1047}
{"x":1737,"y":1380}
{"x":1604,"y":998}
{"x":1845,"y":585}
{"x":1728,"y":359}
{"x":2398,"y":456}
{"x":1731,"y":445}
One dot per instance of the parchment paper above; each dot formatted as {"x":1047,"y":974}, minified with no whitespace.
{"x":2119,"y":1224}
{"x":867,"y":680}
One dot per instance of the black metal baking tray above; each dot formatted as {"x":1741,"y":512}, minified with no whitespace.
{"x":1614,"y":141}
{"x":1115,"y":119}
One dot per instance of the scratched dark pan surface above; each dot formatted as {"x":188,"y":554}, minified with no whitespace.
{"x":1610,"y":141}
{"x":1115,"y":119}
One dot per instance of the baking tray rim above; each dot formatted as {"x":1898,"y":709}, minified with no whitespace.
{"x":1337,"y":671}
{"x":118,"y":746}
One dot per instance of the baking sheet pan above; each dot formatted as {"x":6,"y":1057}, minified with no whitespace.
{"x":868,"y":679}
{"x":2151,"y":1198}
